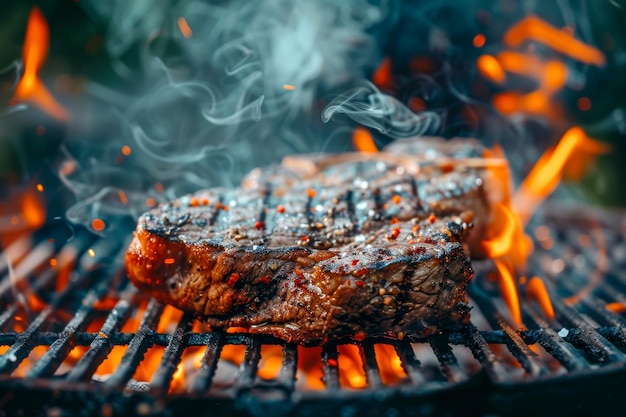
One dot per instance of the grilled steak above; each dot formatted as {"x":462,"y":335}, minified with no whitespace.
{"x":323,"y":247}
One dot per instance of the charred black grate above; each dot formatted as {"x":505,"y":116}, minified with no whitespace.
{"x":52,"y":356}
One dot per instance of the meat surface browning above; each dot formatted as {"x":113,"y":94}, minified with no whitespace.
{"x":325,"y":246}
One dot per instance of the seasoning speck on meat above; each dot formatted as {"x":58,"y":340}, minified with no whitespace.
{"x":326,"y":246}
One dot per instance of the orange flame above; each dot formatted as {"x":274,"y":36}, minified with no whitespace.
{"x":351,"y":373}
{"x":547,"y":172}
{"x":535,"y":29}
{"x":30,"y":88}
{"x":363,"y":141}
{"x":501,"y":245}
{"x":389,"y":364}
{"x":509,"y":290}
{"x":536,"y":289}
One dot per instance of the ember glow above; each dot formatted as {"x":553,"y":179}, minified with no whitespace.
{"x":30,"y":89}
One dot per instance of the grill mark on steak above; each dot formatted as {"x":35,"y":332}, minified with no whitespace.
{"x":371,"y":263}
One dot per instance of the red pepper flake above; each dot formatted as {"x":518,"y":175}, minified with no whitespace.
{"x":394,"y":220}
{"x":232,"y":280}
{"x":285,"y":284}
{"x":432,"y":218}
{"x":359,"y":283}
{"x":205,"y":201}
{"x":395,"y":233}
{"x":219,"y":206}
{"x":332,"y":362}
{"x":361,"y":272}
{"x":300,"y":281}
{"x":265,"y":280}
{"x":305,"y":239}
{"x":348,"y":282}
{"x":258,"y":225}
{"x":226,"y":208}
{"x":396,"y":199}
{"x":280,"y":209}
{"x":428,"y":240}
{"x":354,"y":262}
{"x":359,"y":336}
{"x":412,"y":242}
{"x":310,"y":193}
{"x":194,"y":202}
{"x":169,"y":261}
{"x":416,"y":228}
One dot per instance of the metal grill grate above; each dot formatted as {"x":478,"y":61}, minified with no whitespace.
{"x":51,"y":354}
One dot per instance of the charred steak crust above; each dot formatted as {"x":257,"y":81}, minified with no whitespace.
{"x":357,"y":246}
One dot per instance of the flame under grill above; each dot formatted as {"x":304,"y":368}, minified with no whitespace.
{"x":570,"y":363}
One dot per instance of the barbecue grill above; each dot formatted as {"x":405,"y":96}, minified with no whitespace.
{"x":571,"y":364}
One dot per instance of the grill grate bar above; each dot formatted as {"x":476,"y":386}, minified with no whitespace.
{"x":554,"y":344}
{"x":102,"y":344}
{"x":289,"y":367}
{"x":410,"y":363}
{"x":483,"y":353}
{"x":514,"y":342}
{"x":26,"y":341}
{"x":330,"y":367}
{"x":595,"y":345}
{"x":249,"y":365}
{"x":204,"y":377}
{"x":368,"y":357}
{"x":171,"y":358}
{"x":449,"y":363}
{"x":526,"y":357}
{"x":604,"y":317}
{"x":138,"y":346}
{"x":59,"y":350}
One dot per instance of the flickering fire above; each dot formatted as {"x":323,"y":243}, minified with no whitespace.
{"x":547,"y":173}
{"x":551,"y":74}
{"x":363,"y":141}
{"x":31,"y":89}
{"x":532,"y":28}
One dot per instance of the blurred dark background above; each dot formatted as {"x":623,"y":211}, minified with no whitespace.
{"x":81,"y":72}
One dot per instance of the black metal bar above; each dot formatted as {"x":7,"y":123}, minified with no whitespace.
{"x":137,"y":347}
{"x":449,"y":363}
{"x":520,"y":350}
{"x":103,"y":344}
{"x":585,"y":336}
{"x":249,"y":365}
{"x":330,"y":366}
{"x":59,"y":350}
{"x":368,"y":357}
{"x":204,"y":377}
{"x":171,"y":357}
{"x":553,"y":343}
{"x":289,"y":367}
{"x":7,"y":317}
{"x":513,"y":341}
{"x":410,"y":363}
{"x":597,"y":310}
{"x":24,"y":343}
{"x":483,"y":353}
